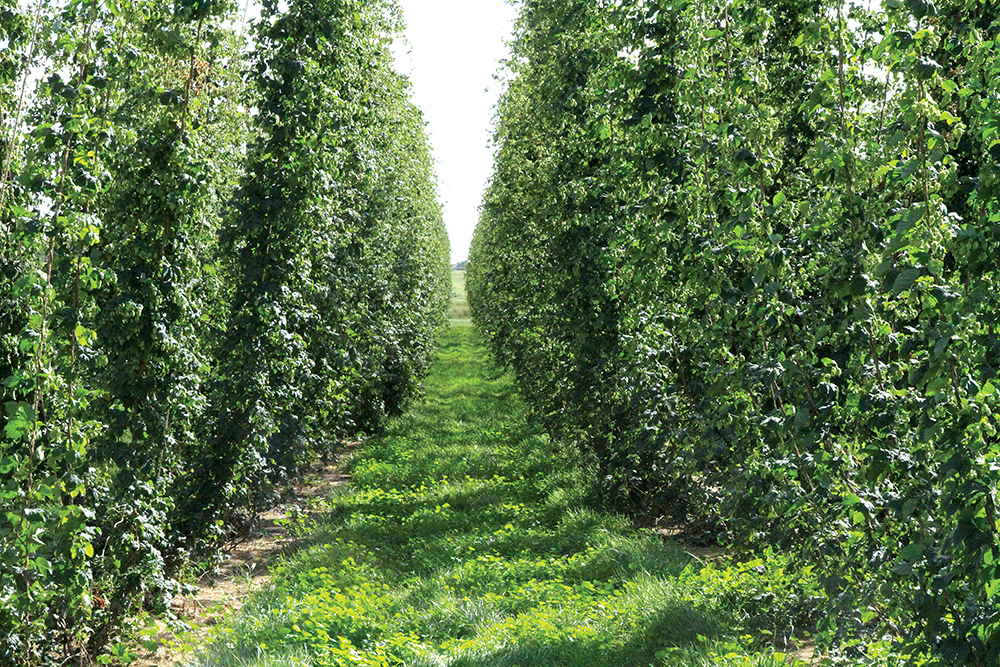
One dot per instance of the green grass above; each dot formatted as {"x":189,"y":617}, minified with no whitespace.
{"x":459,"y":309}
{"x":467,"y":538}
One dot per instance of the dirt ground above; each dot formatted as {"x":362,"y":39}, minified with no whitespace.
{"x":247,"y":568}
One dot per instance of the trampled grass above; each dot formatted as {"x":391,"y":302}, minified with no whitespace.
{"x":467,"y":539}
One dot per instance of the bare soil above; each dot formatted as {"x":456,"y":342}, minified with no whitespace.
{"x":804,"y":656}
{"x":247,"y":568}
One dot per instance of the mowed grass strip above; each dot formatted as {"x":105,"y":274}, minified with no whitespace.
{"x":467,"y":539}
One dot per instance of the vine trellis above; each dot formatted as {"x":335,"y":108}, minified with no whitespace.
{"x":767,"y":309}
{"x":198,"y":243}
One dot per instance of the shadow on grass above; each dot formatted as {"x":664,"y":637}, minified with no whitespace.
{"x":427,"y":532}
{"x":487,"y":536}
{"x":673,"y":626}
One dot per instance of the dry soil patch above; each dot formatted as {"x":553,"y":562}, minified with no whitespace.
{"x":247,"y":568}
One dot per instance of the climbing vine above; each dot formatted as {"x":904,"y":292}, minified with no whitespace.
{"x":738,"y":252}
{"x":335,"y":234}
{"x":216,"y":265}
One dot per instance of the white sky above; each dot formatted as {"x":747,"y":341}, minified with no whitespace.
{"x":455,"y":49}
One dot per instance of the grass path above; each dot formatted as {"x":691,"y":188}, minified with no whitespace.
{"x":459,"y":309}
{"x":466,"y":539}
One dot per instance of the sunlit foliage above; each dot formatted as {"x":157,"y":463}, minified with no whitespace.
{"x":745,"y":254}
{"x":216,"y":264}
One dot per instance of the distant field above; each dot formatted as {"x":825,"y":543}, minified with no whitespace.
{"x":459,"y":309}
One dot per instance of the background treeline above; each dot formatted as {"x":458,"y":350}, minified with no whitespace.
{"x":220,"y":254}
{"x":745,"y":253}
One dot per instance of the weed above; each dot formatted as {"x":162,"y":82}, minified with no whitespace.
{"x":466,"y":539}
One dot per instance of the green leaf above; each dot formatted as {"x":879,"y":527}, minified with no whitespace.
{"x":904,"y":281}
{"x":913,"y":551}
{"x":904,"y":39}
{"x":926,"y":68}
{"x":912,"y":217}
{"x":21,"y":417}
{"x":816,"y":97}
{"x":7,"y":464}
{"x":938,"y":386}
{"x":940,"y":346}
{"x":921,"y":8}
{"x":82,"y":335}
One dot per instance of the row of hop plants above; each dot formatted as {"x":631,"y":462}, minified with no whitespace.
{"x":745,"y":254}
{"x":221,"y":254}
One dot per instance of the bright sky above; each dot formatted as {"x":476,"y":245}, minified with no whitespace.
{"x":455,"y":49}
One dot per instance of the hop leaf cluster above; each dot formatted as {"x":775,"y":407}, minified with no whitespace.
{"x":216,"y":262}
{"x":744,"y":256}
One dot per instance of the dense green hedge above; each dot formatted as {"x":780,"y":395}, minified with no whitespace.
{"x":216,"y":264}
{"x":745,"y":253}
